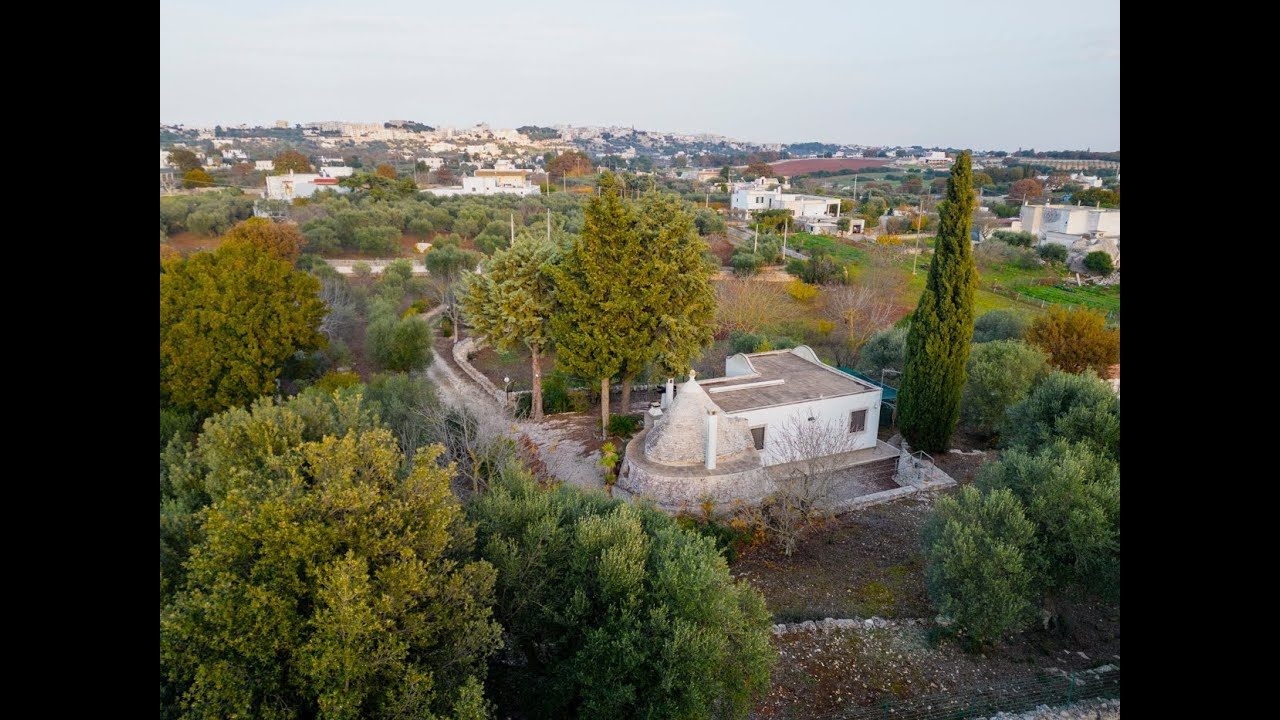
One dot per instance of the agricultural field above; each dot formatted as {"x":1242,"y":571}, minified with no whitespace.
{"x":842,"y":251}
{"x":1104,"y":299}
{"x":808,"y":165}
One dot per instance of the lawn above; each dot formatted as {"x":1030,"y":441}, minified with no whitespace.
{"x":842,"y":250}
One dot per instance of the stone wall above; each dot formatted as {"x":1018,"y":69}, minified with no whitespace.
{"x":462,"y":352}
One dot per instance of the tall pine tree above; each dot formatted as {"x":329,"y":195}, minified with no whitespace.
{"x":942,"y":329}
{"x":596,"y":316}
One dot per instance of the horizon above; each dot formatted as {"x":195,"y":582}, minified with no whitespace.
{"x":995,"y":75}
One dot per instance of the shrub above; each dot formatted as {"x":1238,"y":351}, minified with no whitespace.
{"x":999,"y":374}
{"x":1076,"y":339}
{"x":334,"y":380}
{"x":399,"y":344}
{"x":744,"y":342}
{"x":361,"y":270}
{"x":1077,"y":408}
{"x":1099,"y":262}
{"x":556,"y":397}
{"x":446,"y":326}
{"x":1071,"y":493}
{"x":1016,"y":239}
{"x":1000,"y":325}
{"x":624,"y":425}
{"x":618,"y":611}
{"x":885,"y":349}
{"x":978,"y":563}
{"x":745,"y":264}
{"x":802,"y":291}
{"x":1053,"y":252}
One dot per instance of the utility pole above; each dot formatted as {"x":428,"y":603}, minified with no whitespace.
{"x":785,"y":226}
{"x":755,"y":247}
{"x":919,"y":223}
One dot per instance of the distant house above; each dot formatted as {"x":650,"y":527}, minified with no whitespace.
{"x":751,"y":197}
{"x":168,"y":179}
{"x":432,"y":163}
{"x":1080,"y":229}
{"x":337,"y":171}
{"x":496,"y":181}
{"x":725,"y":437}
{"x":300,"y":185}
{"x":264,"y":165}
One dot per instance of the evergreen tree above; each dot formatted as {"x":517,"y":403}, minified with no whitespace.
{"x":512,"y":302}
{"x":671,"y":290}
{"x":596,"y":317}
{"x":939,"y":340}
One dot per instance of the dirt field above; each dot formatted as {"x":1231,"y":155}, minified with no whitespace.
{"x":189,"y":242}
{"x":808,"y":165}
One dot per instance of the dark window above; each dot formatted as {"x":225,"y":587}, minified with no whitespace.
{"x":757,"y":434}
{"x":857,"y":421}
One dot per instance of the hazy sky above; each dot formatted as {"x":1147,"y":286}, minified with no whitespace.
{"x":979,"y":74}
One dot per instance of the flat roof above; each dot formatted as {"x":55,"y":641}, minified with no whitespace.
{"x":801,"y":381}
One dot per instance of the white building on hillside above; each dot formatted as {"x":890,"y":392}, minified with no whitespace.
{"x":514,"y":181}
{"x":1080,"y":229}
{"x":432,"y":163}
{"x":733,"y":437}
{"x":300,"y":185}
{"x":265,"y":165}
{"x":754,"y":197}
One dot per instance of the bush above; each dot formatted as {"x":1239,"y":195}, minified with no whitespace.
{"x":624,"y":425}
{"x":618,"y":611}
{"x":1000,"y":325}
{"x":993,"y":254}
{"x":446,"y":326}
{"x":979,"y":569}
{"x":1099,"y":262}
{"x":1077,"y":408}
{"x":1076,"y":339}
{"x":885,"y":349}
{"x":802,"y":291}
{"x":1000,"y":373}
{"x":556,"y":397}
{"x":1071,"y":493}
{"x":744,"y":342}
{"x":399,"y":344}
{"x":745,"y":264}
{"x":334,"y":380}
{"x":1015,"y":239}
{"x":1053,"y":252}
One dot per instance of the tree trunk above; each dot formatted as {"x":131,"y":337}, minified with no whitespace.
{"x":604,"y":408}
{"x":626,"y":393}
{"x":536,"y":362}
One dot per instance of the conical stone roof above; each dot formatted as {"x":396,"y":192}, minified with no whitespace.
{"x":679,"y":437}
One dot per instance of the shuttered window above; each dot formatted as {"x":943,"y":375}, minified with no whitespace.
{"x":757,"y":434}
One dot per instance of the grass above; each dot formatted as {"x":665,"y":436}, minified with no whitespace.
{"x":841,"y":251}
{"x":1104,"y":299}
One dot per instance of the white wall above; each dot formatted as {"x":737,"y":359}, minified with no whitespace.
{"x":834,"y":410}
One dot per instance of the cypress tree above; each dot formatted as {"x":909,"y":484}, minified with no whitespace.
{"x":940,"y":336}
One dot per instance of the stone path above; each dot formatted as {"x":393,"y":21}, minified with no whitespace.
{"x":565,"y":457}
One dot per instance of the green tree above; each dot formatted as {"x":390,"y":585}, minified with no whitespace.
{"x":229,"y":320}
{"x":1000,"y":325}
{"x":282,"y":241}
{"x":399,"y":344}
{"x":184,"y":160}
{"x":1071,"y":493}
{"x":672,"y":303}
{"x":617,"y":610}
{"x":197,"y":179}
{"x":512,"y":302}
{"x":885,"y":349}
{"x":940,"y":337}
{"x":979,"y":569}
{"x":1076,"y":340}
{"x":447,"y":265}
{"x":287,"y":161}
{"x":595,"y":317}
{"x":1095,"y":196}
{"x":1016,"y":239}
{"x":1000,"y":374}
{"x":318,"y":582}
{"x":1078,"y":408}
{"x":1099,"y":262}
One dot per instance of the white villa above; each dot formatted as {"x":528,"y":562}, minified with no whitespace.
{"x":1080,"y":229}
{"x":301,"y":185}
{"x":496,"y":181}
{"x":729,"y":438}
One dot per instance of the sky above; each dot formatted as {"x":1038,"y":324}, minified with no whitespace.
{"x":981,"y":74}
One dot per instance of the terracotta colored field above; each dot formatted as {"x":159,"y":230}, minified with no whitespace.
{"x":808,"y":165}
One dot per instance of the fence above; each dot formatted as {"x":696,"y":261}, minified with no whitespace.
{"x":1016,"y":695}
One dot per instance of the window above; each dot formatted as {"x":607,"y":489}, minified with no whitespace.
{"x":857,"y":421}
{"x":757,"y":434}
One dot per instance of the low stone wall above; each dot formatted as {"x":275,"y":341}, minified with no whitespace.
{"x":462,"y":352}
{"x":682,"y":488}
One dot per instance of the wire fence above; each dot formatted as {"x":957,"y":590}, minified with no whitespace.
{"x":1015,"y":695}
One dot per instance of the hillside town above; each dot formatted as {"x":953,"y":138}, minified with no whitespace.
{"x":565,"y":420}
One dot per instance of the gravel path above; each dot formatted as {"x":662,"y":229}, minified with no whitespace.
{"x":565,"y":458}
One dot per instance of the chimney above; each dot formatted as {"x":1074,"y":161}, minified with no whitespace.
{"x":713,"y":417}
{"x":669,"y":394}
{"x":652,"y":416}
